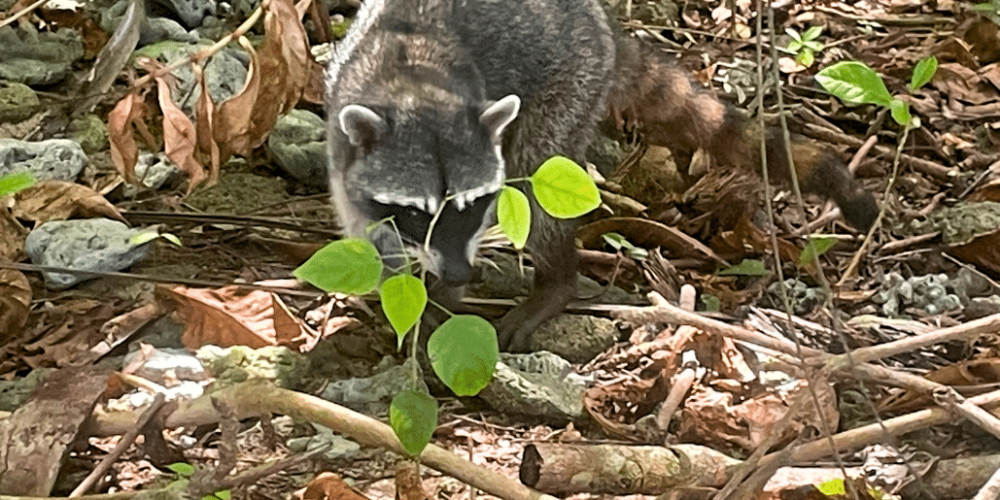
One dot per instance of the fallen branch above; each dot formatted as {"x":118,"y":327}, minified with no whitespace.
{"x":260,"y":397}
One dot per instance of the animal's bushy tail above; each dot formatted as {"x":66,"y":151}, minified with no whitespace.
{"x":660,"y":98}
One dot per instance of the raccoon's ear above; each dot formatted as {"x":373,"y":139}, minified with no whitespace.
{"x":361,"y":125}
{"x":499,"y":114}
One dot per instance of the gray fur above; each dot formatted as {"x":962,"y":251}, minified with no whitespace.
{"x":538,"y":73}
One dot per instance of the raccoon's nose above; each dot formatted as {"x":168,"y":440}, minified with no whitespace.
{"x":456,"y":272}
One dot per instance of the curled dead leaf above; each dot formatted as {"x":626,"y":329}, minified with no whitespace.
{"x":61,"y":200}
{"x":15,"y":301}
{"x":121,"y":119}
{"x":233,"y":315}
{"x":178,"y":136}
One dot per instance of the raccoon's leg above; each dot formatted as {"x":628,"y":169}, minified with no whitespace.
{"x":553,"y":253}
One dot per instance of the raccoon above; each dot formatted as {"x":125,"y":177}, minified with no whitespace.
{"x":432,"y":104}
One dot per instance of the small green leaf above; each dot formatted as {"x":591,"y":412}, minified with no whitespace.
{"x":900,"y":112}
{"x":806,"y":57}
{"x":148,"y":236}
{"x":814,"y":46}
{"x":795,"y":46}
{"x":812,"y":33}
{"x":923,"y":73}
{"x":350,"y":266}
{"x":987,"y":7}
{"x":464,"y":353}
{"x":832,"y":487}
{"x":711,"y":303}
{"x":616,"y":240}
{"x":749,"y":267}
{"x":142,"y":238}
{"x":172,"y":239}
{"x":219,"y":495}
{"x":404,"y":298}
{"x":815,"y":248}
{"x":564,"y":189}
{"x":181,"y":469}
{"x":794,"y":34}
{"x":514,"y":216}
{"x":854,"y":82}
{"x":12,"y":183}
{"x":413,"y":417}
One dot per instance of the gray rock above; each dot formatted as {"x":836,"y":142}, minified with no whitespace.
{"x":90,"y":132}
{"x":152,"y":171}
{"x":980,"y":307}
{"x":185,"y":390}
{"x":372,"y":395}
{"x":191,"y":12}
{"x":539,"y":384}
{"x":225,"y":74}
{"x":335,"y":447}
{"x":91,"y":244}
{"x":164,"y":365}
{"x":17,"y":102}
{"x":237,"y":364}
{"x":804,"y":298}
{"x":575,"y":337}
{"x":54,"y":159}
{"x":38,"y":58}
{"x":934,"y":293}
{"x":298,"y":143}
{"x":14,"y":393}
{"x":163,"y":29}
{"x":154,"y":30}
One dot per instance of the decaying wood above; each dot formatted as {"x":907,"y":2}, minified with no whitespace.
{"x":259,"y":397}
{"x":610,"y":469}
{"x":37,"y":437}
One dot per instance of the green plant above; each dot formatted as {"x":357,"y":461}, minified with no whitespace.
{"x":463,"y":350}
{"x":856,"y":83}
{"x":748,"y":267}
{"x":619,"y":243}
{"x":12,"y":183}
{"x":989,"y":9}
{"x":816,"y":247}
{"x":805,"y":46}
{"x":185,"y":472}
{"x":147,"y":236}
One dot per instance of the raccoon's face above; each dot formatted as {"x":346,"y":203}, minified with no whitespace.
{"x":431,"y":172}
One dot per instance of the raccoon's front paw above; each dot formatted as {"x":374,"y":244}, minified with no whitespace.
{"x":516,"y":327}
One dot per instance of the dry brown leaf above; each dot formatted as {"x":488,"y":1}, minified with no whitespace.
{"x":409,"y":486}
{"x":15,"y":301}
{"x":61,"y":200}
{"x":983,"y":251}
{"x":124,"y":150}
{"x":316,"y":86}
{"x":204,"y":114}
{"x":327,"y":486}
{"x":290,"y":45}
{"x":66,"y":333}
{"x":233,"y":315}
{"x":12,"y":235}
{"x":232,"y":117}
{"x":284,"y":59}
{"x":178,"y":132}
{"x":980,"y":374}
{"x":958,"y":82}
